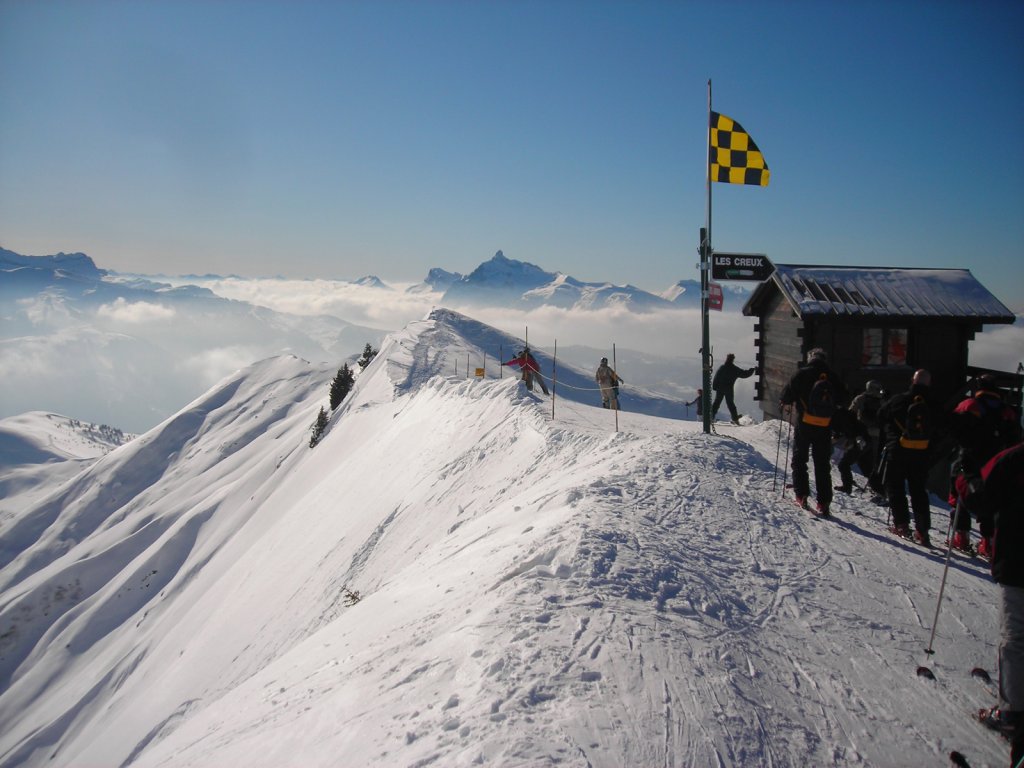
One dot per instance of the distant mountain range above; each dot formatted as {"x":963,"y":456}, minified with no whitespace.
{"x":498,"y":282}
{"x":127,"y":350}
{"x":505,"y":282}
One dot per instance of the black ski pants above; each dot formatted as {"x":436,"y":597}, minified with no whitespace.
{"x":730,"y":403}
{"x":907,"y":473}
{"x":814,"y":442}
{"x":862,"y":457}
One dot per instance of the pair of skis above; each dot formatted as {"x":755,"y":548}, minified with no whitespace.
{"x":956,"y":757}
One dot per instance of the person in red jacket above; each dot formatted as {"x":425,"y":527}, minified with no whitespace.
{"x":527,"y":363}
{"x":1000,"y":502}
{"x":983,"y":425}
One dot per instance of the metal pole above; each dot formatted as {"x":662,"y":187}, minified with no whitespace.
{"x":923,"y":671}
{"x":554,"y":378}
{"x":705,"y":260}
{"x":785,"y":466}
{"x":525,"y":371}
{"x":615,"y":366}
{"x":778,"y":451}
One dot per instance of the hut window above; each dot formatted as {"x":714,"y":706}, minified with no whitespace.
{"x":884,"y":346}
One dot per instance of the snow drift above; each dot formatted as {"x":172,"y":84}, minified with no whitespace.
{"x":453,"y":578}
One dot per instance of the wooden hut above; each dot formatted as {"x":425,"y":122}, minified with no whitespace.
{"x":878,"y":323}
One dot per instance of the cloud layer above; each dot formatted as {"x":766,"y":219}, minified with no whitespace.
{"x":131,"y":363}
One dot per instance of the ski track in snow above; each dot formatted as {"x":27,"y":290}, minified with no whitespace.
{"x":534,"y":592}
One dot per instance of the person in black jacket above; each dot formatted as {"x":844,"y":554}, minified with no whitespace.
{"x":724,"y":383}
{"x":909,"y":425}
{"x":698,"y":401}
{"x":851,"y":435}
{"x":816,"y":392}
{"x":1001,"y":506}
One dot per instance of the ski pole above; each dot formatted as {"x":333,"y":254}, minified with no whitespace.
{"x":789,"y":434}
{"x":778,"y":450}
{"x":923,"y":671}
{"x":886,"y":458}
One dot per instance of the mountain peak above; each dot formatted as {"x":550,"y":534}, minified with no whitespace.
{"x":370,"y":281}
{"x":75,"y":263}
{"x":502,"y":281}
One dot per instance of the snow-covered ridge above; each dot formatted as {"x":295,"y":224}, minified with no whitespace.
{"x":452,"y":577}
{"x":35,"y":437}
{"x":41,"y":450}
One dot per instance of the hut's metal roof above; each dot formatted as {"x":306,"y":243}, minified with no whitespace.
{"x":881,"y":292}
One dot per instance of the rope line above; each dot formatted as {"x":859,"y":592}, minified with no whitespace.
{"x":563,"y":384}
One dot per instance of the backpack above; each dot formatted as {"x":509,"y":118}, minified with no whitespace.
{"x":870,"y":405}
{"x":917,"y":428}
{"x":821,"y":403}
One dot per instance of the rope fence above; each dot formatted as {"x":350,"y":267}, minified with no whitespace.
{"x":480,"y":371}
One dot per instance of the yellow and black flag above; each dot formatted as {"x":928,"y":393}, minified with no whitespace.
{"x":734,"y":157}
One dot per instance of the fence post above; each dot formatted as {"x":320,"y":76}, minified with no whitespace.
{"x":554,"y":378}
{"x":615,"y":367}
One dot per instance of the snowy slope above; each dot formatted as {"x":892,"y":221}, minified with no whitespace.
{"x":41,"y":450}
{"x":533,"y":592}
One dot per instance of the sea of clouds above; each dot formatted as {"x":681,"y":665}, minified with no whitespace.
{"x":132,"y":363}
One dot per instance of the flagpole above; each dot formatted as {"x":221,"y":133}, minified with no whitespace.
{"x":705,"y":263}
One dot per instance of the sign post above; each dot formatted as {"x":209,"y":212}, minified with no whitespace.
{"x":733,"y":158}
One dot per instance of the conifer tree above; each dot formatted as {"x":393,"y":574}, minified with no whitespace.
{"x":318,"y":428}
{"x":341,"y":386}
{"x":368,"y":354}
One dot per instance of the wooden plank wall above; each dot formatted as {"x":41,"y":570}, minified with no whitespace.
{"x":780,"y":347}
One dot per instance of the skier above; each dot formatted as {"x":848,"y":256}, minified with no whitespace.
{"x":852,"y":438}
{"x":608,"y":380}
{"x":999,"y":501}
{"x":864,"y":447}
{"x":908,"y":426}
{"x":982,"y":425}
{"x":724,"y":383}
{"x":698,"y":401}
{"x":815,"y":391}
{"x":527,"y":363}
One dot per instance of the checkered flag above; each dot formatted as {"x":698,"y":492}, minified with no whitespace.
{"x":734,"y":157}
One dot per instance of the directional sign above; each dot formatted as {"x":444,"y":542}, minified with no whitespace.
{"x":741,"y":266}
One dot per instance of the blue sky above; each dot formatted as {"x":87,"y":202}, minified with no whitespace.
{"x":315,"y":139}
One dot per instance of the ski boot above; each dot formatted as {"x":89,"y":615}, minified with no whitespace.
{"x":961,"y":542}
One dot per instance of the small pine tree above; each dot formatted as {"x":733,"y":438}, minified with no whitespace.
{"x":341,"y":385}
{"x":318,"y":428}
{"x":368,"y":354}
